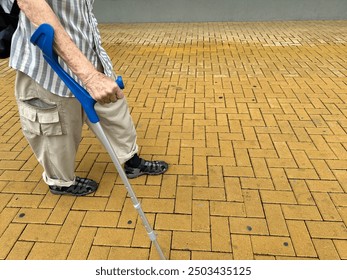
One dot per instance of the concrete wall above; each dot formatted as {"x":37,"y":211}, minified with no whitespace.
{"x":218,"y":10}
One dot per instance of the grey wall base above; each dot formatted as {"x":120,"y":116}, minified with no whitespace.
{"x":118,"y":11}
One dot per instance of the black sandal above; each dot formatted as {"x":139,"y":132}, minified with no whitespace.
{"x":146,"y":167}
{"x":83,"y":186}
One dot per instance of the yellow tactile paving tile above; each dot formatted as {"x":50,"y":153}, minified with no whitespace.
{"x":252,"y":120}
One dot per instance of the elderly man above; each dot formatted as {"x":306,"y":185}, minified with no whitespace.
{"x":51,"y":118}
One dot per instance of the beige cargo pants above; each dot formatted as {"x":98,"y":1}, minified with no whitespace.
{"x":53,"y":127}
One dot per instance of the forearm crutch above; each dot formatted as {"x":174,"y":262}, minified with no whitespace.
{"x":43,"y":37}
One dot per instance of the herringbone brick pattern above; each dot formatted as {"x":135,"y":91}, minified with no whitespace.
{"x":252,"y":118}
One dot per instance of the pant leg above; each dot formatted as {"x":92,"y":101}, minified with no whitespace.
{"x":119,"y":128}
{"x":53,"y":126}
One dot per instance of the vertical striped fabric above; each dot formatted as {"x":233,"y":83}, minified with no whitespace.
{"x":6,"y":5}
{"x":80,"y":23}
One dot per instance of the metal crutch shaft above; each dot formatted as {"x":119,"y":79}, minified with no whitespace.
{"x":43,"y":37}
{"x":137,"y":205}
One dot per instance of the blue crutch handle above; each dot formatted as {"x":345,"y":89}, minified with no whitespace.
{"x":43,"y":37}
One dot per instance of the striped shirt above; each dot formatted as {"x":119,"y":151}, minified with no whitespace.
{"x":7,"y":5}
{"x":78,"y":19}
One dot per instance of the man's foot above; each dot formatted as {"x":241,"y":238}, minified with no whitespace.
{"x":82,"y":186}
{"x":146,"y":167}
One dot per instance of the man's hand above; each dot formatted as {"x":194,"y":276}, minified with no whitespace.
{"x":103,"y":89}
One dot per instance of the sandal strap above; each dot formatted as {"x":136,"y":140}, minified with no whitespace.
{"x":151,"y":166}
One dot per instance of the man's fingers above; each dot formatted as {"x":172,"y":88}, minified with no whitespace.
{"x":105,"y":91}
{"x":113,"y":98}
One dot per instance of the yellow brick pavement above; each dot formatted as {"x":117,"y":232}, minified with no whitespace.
{"x":252,"y":118}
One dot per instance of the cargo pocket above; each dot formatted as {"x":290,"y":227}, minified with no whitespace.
{"x":39,"y":117}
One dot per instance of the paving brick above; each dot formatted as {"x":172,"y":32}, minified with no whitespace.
{"x":238,"y":171}
{"x":303,"y":173}
{"x":61,"y":209}
{"x":118,"y":253}
{"x":260,"y":168}
{"x":253,"y":203}
{"x":49,"y":251}
{"x":302,"y":159}
{"x":279,"y":178}
{"x":17,"y":176}
{"x":277,"y":197}
{"x":151,"y":188}
{"x":198,"y":255}
{"x":257,"y":183}
{"x":49,"y":200}
{"x":100,"y":219}
{"x":242,"y":247}
{"x":117,"y":198}
{"x":82,"y":244}
{"x":6,"y":216}
{"x":128,"y":215}
{"x":279,"y":162}
{"x":283,"y":150}
{"x":325,"y":249}
{"x":191,"y":241}
{"x":208,"y":193}
{"x":99,"y":253}
{"x":183,"y":201}
{"x":158,"y":205}
{"x":233,"y":189}
{"x":323,"y":170}
{"x":301,"y":192}
{"x":43,"y":233}
{"x":180,"y":255}
{"x":9,"y":238}
{"x":301,"y":239}
{"x":20,"y":187}
{"x":173,"y":222}
{"x":168,"y":187}
{"x":242,"y":157}
{"x":301,"y":212}
{"x":272,"y":245}
{"x":23,"y":200}
{"x":70,"y":227}
{"x":341,"y":247}
{"x":186,"y":156}
{"x":200,"y":216}
{"x":275,"y":220}
{"x":323,"y":186}
{"x":326,"y":207}
{"x":4,"y":200}
{"x":248,"y":226}
{"x":220,"y":234}
{"x":90,"y":203}
{"x":35,"y":216}
{"x":181,"y":169}
{"x":332,"y":230}
{"x":339,"y":199}
{"x":113,"y":237}
{"x":227,"y":209}
{"x":341,"y":176}
{"x":20,"y":250}
{"x":106,"y":183}
{"x":192,"y":181}
{"x":3,"y":185}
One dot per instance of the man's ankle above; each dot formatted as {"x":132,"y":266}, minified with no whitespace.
{"x":134,"y":161}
